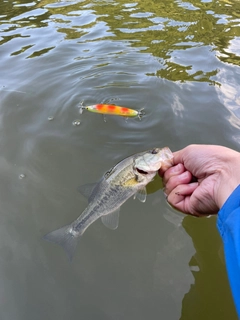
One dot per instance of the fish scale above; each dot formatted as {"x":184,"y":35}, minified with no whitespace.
{"x":115,"y":197}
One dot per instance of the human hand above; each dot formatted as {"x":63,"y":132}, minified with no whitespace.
{"x":202,"y":178}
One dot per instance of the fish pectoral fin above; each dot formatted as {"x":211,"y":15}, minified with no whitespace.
{"x":141,"y":194}
{"x":111,"y":220}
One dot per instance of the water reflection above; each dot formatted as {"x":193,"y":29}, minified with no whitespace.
{"x":207,"y":264}
{"x":171,"y":31}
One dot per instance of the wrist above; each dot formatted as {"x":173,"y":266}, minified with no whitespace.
{"x":229,"y":179}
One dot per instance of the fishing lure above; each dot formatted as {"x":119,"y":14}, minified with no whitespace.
{"x":114,"y":110}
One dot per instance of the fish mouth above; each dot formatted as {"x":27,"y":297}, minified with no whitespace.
{"x":141,"y":171}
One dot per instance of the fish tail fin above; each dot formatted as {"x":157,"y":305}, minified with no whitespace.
{"x":65,"y":238}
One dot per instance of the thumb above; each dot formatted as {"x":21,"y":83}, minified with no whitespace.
{"x":178,"y":157}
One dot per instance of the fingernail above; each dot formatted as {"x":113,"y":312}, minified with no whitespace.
{"x":185,"y":174}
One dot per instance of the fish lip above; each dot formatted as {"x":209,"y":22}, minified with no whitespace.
{"x":152,"y":168}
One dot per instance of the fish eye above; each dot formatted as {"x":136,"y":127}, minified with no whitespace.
{"x":155,"y":150}
{"x":141,"y":171}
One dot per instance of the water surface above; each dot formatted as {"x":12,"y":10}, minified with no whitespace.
{"x":177,"y":60}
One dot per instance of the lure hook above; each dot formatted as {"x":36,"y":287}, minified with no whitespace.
{"x":141,"y":113}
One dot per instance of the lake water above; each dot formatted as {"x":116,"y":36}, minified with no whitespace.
{"x":180,"y":61}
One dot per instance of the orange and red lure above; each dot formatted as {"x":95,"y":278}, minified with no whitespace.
{"x":114,"y":110}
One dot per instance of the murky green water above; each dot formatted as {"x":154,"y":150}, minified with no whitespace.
{"x":178,"y":60}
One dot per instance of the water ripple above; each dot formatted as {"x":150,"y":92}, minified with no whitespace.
{"x":179,"y":60}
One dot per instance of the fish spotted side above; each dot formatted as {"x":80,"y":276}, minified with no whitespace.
{"x":127,"y":178}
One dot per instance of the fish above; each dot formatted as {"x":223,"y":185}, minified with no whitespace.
{"x":113,"y":110}
{"x":127,"y":178}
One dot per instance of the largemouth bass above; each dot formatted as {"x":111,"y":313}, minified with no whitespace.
{"x":127,"y":178}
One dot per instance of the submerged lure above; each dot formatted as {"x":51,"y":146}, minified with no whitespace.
{"x":127,"y":178}
{"x":114,"y":110}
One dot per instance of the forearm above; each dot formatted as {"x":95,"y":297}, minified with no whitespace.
{"x":228,"y":176}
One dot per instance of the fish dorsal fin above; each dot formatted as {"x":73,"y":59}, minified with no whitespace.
{"x":141,"y":194}
{"x":87,"y":189}
{"x":111,"y":220}
{"x":90,"y":190}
